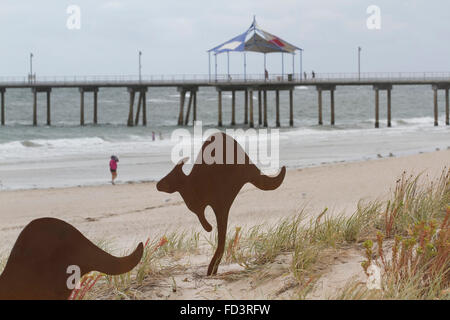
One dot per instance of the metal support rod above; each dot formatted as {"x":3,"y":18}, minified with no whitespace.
{"x":436,"y":121}
{"x":282,"y":65}
{"x":186,"y":121}
{"x":140,"y":67}
{"x":251,"y":108}
{"x":215,"y":67}
{"x":144,"y":108}
{"x":81,"y":107}
{"x":265,"y":107}
{"x":219,"y":120}
{"x":319,"y":92}
{"x":291,"y":107}
{"x":138,"y":111}
{"x":246,"y":107}
{"x":31,"y":67}
{"x":2,"y":93}
{"x":389,"y":122}
{"x":265,"y":68}
{"x":131,"y":111}
{"x":182,"y":98}
{"x":447,"y":111}
{"x":34,"y":107}
{"x":377,"y":108}
{"x":233,"y":108}
{"x":49,"y":121}
{"x":209,"y":66}
{"x":194,"y":115}
{"x":301,"y":64}
{"x":293,"y":66}
{"x":277,"y":102}
{"x":359,"y":63}
{"x":259,"y":108}
{"x":332,"y":106}
{"x":95,"y":106}
{"x":228,"y":65}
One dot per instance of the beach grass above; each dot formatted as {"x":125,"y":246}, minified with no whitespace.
{"x":406,"y":236}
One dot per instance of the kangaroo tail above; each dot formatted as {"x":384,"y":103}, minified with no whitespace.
{"x":102,"y":261}
{"x":74,"y":246}
{"x":264,"y":182}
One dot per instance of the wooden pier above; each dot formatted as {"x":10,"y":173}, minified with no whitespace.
{"x":248,"y":87}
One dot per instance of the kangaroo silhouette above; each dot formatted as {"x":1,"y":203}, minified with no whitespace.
{"x":46,"y":247}
{"x":216,"y":182}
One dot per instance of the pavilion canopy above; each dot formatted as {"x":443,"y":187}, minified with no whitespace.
{"x":256,"y":40}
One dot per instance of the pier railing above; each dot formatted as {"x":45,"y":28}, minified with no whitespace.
{"x":225,"y":78}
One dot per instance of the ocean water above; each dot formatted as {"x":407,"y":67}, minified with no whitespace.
{"x":66,"y":154}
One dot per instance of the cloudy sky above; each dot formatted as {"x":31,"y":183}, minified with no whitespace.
{"x":174,"y":35}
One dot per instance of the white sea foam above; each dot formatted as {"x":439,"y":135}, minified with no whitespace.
{"x":67,"y":154}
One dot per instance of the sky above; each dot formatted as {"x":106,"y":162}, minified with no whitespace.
{"x":174,"y":36}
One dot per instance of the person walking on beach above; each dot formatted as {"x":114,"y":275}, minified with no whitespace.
{"x":113,"y":168}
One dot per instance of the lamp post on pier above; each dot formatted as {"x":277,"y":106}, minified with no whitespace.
{"x":140,"y":66}
{"x":30,"y":77}
{"x":359,"y":63}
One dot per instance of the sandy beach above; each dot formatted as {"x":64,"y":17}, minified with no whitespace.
{"x":129,"y":213}
{"x":125,"y":214}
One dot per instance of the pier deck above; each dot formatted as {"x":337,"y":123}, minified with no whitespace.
{"x":249,"y":84}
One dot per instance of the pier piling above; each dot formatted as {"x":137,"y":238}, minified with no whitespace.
{"x":131,"y":111}
{"x":186,"y":122}
{"x":219,"y":116}
{"x":246,"y":107}
{"x":377,"y":88}
{"x":144,"y":107}
{"x":265,"y":107}
{"x":251,"y":108}
{"x":2,"y":103}
{"x":142,"y":104}
{"x":194,"y":115}
{"x":320,"y":89}
{"x":233,"y":107}
{"x":277,"y":102}
{"x":447,"y":111}
{"x":332,"y":107}
{"x":259,"y":108}
{"x":389,"y":124}
{"x":182,"y":99}
{"x":291,"y":107}
{"x":192,"y":104}
{"x":49,"y":120}
{"x":436,"y":121}
{"x":377,"y":108}
{"x":95,"y":105}
{"x":34,"y":107}
{"x":81,"y":107}
{"x":436,"y":87}
{"x":319,"y":92}
{"x":138,"y":111}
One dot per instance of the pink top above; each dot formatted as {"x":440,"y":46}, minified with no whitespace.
{"x":113,"y":164}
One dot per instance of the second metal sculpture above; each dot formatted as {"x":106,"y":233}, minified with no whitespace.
{"x":220,"y":171}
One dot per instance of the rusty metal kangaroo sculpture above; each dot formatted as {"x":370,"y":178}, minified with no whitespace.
{"x":217,"y":184}
{"x":46,"y":247}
